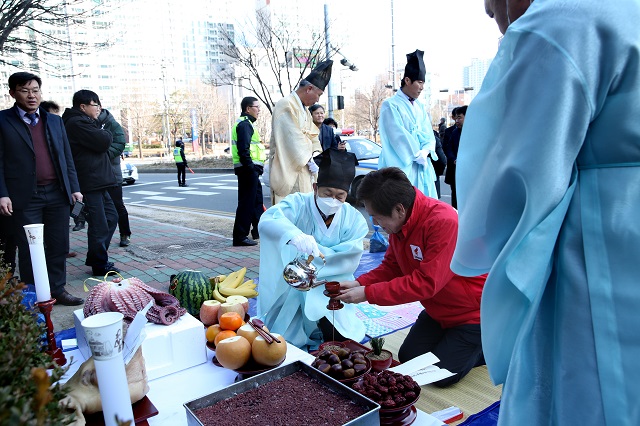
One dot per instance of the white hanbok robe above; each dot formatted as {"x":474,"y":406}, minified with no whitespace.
{"x":405,"y":129}
{"x":295,"y":316}
{"x":548,"y":182}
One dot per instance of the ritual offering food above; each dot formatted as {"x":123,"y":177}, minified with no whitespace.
{"x":295,"y":399}
{"x":130,"y":296}
{"x":234,"y":352}
{"x":209,"y":312}
{"x":342,"y":363}
{"x":269,"y":354}
{"x":191,"y":288}
{"x":389,"y":389}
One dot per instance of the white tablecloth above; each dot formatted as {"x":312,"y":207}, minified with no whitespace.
{"x":170,"y":392}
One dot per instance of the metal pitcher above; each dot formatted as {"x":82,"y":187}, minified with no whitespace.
{"x":301,"y":274}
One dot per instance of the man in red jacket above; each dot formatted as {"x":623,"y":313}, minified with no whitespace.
{"x":422,"y":237}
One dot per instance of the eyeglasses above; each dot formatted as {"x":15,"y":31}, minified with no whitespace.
{"x":95,"y":105}
{"x":29,"y":91}
{"x":254,"y":106}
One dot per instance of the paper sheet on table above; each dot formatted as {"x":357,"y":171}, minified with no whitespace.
{"x":422,"y":370}
{"x":135,"y":335}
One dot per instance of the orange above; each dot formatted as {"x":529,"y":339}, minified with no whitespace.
{"x":224,"y":334}
{"x":212,"y":332}
{"x":230,"y":321}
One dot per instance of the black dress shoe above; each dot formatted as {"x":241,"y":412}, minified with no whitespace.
{"x":244,"y":243}
{"x":64,"y":298}
{"x":104,"y":270}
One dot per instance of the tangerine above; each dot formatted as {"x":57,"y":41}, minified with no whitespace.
{"x":212,"y":332}
{"x":230,"y":321}
{"x":224,"y":334}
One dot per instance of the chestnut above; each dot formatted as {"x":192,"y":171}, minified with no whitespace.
{"x":348,"y":373}
{"x":346,"y":363}
{"x":359,"y":368}
{"x":333,"y":359}
{"x":360,"y":361}
{"x":336,"y":369}
{"x":325,"y":368}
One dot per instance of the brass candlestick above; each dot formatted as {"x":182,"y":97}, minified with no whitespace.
{"x":53,"y":349}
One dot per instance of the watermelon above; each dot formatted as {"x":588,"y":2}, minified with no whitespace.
{"x":191,"y":288}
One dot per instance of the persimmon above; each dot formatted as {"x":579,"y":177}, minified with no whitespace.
{"x":230,"y":321}
{"x":224,"y":334}
{"x":212,"y":332}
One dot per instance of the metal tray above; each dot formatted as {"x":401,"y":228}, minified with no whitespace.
{"x":371,"y":417}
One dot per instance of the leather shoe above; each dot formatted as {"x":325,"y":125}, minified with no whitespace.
{"x":104,"y":270}
{"x":79,"y":226}
{"x":64,"y":298}
{"x":244,"y":243}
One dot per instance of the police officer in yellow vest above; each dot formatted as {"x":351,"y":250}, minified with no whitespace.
{"x":181,"y":162}
{"x":248,"y":162}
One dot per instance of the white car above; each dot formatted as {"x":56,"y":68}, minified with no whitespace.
{"x":367,"y":153}
{"x":129,"y":173}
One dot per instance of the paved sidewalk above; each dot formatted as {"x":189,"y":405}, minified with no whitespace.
{"x":157,"y":251}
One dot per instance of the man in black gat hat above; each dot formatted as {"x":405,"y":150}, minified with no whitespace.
{"x":405,"y":129}
{"x":312,"y":223}
{"x":294,"y":137}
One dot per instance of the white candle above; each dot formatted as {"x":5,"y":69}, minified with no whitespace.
{"x":35,"y":237}
{"x":104,"y":336}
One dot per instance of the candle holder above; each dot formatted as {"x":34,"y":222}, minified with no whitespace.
{"x":53,"y":349}
{"x":332,"y":290}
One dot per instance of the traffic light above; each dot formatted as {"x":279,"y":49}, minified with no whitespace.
{"x":340,"y":102}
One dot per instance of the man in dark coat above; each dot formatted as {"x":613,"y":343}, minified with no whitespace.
{"x":90,"y":145}
{"x":38,"y":181}
{"x":451,"y":150}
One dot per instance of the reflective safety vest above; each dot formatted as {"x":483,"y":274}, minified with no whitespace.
{"x":256,"y":148}
{"x":177,"y":155}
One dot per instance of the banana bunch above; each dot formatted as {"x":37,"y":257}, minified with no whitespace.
{"x":232,"y":284}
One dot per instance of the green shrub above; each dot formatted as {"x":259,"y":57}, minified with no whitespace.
{"x":26,"y":394}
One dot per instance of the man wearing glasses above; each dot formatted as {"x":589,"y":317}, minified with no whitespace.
{"x":90,"y":145}
{"x":248,"y":162}
{"x":38,"y":181}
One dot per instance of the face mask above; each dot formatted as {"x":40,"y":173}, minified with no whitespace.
{"x":328,"y":206}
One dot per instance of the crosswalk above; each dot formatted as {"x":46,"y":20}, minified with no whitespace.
{"x":162,"y":191}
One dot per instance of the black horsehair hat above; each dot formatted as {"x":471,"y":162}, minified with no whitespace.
{"x":415,"y":69}
{"x":321,"y":74}
{"x":337,"y":168}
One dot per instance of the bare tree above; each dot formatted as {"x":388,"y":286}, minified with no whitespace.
{"x":368,"y":104}
{"x":30,"y":29}
{"x":211,"y":112}
{"x":178,"y":114}
{"x":140,"y":118}
{"x":268,"y":58}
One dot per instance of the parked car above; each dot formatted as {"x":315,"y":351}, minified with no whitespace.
{"x":129,"y":173}
{"x":367,"y":153}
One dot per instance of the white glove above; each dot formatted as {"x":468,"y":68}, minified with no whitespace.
{"x":305,"y":244}
{"x":313,"y":167}
{"x":422,"y":157}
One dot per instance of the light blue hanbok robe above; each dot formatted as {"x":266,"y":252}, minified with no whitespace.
{"x":405,"y":129}
{"x":295,"y":314}
{"x":548,"y":183}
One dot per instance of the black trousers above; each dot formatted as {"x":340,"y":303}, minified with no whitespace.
{"x":8,"y":243}
{"x":48,"y":205}
{"x":102,"y":219}
{"x":115,"y":193}
{"x":182,"y":173}
{"x":459,"y":348}
{"x":454,"y":195}
{"x":250,"y":203}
